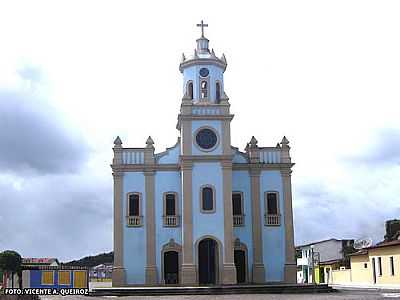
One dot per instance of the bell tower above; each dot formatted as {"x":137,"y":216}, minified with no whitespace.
{"x":203,"y":73}
{"x":204,"y":98}
{"x":206,"y":163}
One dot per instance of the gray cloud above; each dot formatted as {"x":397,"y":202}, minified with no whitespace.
{"x":66,"y":212}
{"x":33,"y":138}
{"x":384,"y":149}
{"x":65,"y":216}
{"x":321,"y":212}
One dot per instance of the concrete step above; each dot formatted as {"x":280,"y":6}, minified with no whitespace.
{"x":213,"y":290}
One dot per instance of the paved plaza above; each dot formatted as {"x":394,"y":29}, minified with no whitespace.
{"x":348,"y":295}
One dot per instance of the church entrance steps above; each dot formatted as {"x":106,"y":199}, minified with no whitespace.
{"x":214,"y":290}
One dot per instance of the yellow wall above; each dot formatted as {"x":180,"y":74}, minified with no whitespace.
{"x":385,"y":253}
{"x":316,"y":275}
{"x":327,"y":269}
{"x":360,"y":274}
{"x":341,"y":276}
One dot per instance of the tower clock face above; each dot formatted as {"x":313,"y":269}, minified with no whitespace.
{"x":206,"y":139}
{"x":204,"y":72}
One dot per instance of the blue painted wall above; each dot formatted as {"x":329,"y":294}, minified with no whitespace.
{"x":36,"y":279}
{"x":192,"y":73}
{"x":203,"y":223}
{"x":273,"y":236}
{"x":171,"y":155}
{"x":241,"y":183}
{"x":166,"y":182}
{"x":134,"y":238}
{"x":207,"y":223}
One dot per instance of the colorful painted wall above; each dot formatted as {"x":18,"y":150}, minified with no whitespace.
{"x":55,"y":278}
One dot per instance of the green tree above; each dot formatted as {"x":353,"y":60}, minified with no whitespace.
{"x":10,"y":262}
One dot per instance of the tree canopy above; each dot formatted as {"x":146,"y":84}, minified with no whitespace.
{"x":10,"y":261}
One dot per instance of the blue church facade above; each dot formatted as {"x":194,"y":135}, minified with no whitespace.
{"x":203,"y":212}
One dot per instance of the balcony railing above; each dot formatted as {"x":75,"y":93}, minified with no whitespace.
{"x":134,"y":221}
{"x":270,"y":155}
{"x":132,"y":156}
{"x":238,"y":220}
{"x":208,"y":110}
{"x":171,"y":221}
{"x":272,"y":220}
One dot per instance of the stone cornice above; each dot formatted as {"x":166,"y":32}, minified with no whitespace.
{"x":205,"y":117}
{"x":249,"y":166}
{"x":143,"y":168}
{"x":202,"y":158}
{"x":202,"y":61}
{"x":189,"y":117}
{"x":286,"y":172}
{"x":226,"y":164}
{"x":149,"y":172}
{"x":186,"y":162}
{"x":186,"y":165}
{"x":117,"y":174}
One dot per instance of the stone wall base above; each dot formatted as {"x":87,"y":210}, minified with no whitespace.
{"x":229,"y":274}
{"x":290,"y":273}
{"x":189,"y":275}
{"x":258,"y":273}
{"x":150,"y":275}
{"x":118,"y":277}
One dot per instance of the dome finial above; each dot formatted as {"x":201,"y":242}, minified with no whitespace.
{"x":202,"y":25}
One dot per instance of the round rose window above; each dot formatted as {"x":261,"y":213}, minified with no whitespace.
{"x":206,"y":138}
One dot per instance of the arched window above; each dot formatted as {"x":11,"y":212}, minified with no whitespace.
{"x":207,"y":199}
{"x":190,"y":90}
{"x":203,"y":89}
{"x":217,"y":92}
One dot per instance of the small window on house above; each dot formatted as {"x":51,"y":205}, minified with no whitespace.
{"x":237,"y":205}
{"x":217,"y":92}
{"x":380,"y":266}
{"x":134,"y":205}
{"x":207,"y":199}
{"x":391,"y":266}
{"x":170,"y":205}
{"x":47,"y":277}
{"x":190,"y":90}
{"x":365,"y":266}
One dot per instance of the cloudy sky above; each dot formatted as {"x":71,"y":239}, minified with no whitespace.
{"x":75,"y":74}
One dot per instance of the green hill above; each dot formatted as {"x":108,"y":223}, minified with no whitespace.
{"x":91,"y":261}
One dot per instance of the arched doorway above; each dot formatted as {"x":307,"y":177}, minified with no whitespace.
{"x":171,"y":267}
{"x":208,"y":261}
{"x":240,"y":264}
{"x":171,"y":261}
